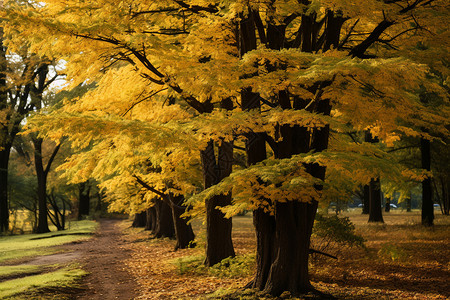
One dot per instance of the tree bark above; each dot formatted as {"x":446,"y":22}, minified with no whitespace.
{"x":219,"y":244}
{"x":4,"y":207}
{"x":150,"y":223}
{"x":375,"y":211}
{"x":387,"y":207}
{"x":83,"y":199}
{"x":42,"y":226}
{"x":139,"y":219}
{"x":366,"y":200}
{"x":5,"y":143}
{"x":183,"y":231}
{"x":427,"y":197}
{"x":164,"y":220}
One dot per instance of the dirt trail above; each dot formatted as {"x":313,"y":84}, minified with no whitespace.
{"x":103,"y":257}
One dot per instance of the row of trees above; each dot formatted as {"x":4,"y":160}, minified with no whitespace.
{"x":215,"y":107}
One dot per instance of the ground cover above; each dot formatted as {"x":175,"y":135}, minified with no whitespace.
{"x":34,"y":266}
{"x":402,"y":260}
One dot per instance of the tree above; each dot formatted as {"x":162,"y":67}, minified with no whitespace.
{"x":296,"y":71}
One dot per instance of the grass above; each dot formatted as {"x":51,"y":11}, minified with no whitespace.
{"x":30,"y":286}
{"x":29,"y":245}
{"x":13,"y":271}
{"x":40,"y":281}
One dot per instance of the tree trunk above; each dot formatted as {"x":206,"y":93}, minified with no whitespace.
{"x":83,"y":199}
{"x":375,"y":211}
{"x":4,"y":208}
{"x":289,"y":269}
{"x":42,"y":226}
{"x":445,"y":187}
{"x":366,"y":200}
{"x":139,"y":219}
{"x":408,"y":204}
{"x":5,"y":145}
{"x":427,"y":197}
{"x":219,"y":244}
{"x":150,"y":216}
{"x":183,"y":231}
{"x":164,"y":221}
{"x":387,"y":207}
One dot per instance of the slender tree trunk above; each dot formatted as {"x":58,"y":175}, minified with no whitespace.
{"x":5,"y":145}
{"x":366,"y":200}
{"x":4,"y":207}
{"x":445,"y":187}
{"x":427,"y":197}
{"x":408,"y":204}
{"x":42,"y":226}
{"x":387,"y":207}
{"x":84,"y":199}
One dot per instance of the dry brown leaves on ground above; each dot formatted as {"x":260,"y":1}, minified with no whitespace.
{"x":403,"y":260}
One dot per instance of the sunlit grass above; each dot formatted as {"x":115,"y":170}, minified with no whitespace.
{"x":9,"y":271}
{"x":21,"y":288}
{"x":20,"y":246}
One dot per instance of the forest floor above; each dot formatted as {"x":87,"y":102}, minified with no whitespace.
{"x":402,"y":260}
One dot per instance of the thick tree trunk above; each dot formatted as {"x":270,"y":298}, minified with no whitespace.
{"x":375,"y":211}
{"x":150,"y":216}
{"x":164,"y":221}
{"x":183,"y":231}
{"x":427,"y":197}
{"x":84,"y":199}
{"x":289,"y":269}
{"x":219,"y":244}
{"x":139,"y":220}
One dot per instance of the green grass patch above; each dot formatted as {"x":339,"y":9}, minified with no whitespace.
{"x":11,"y":271}
{"x":231,"y":267}
{"x":60,"y":280}
{"x":29,"y":245}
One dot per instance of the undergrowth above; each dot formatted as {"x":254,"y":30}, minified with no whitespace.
{"x":231,"y":267}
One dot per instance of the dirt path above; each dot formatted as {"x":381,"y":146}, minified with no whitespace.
{"x":103,"y":257}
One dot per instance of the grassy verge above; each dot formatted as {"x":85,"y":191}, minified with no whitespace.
{"x":29,"y":245}
{"x":40,"y":281}
{"x":35,"y":287}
